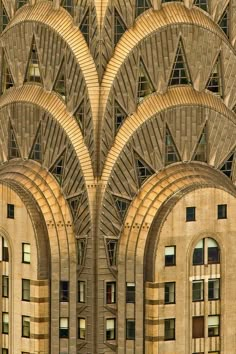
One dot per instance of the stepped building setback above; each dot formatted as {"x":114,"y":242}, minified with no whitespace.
{"x":117,"y":177}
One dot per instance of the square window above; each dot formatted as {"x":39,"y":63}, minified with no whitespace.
{"x":190,"y":214}
{"x":81,"y":328}
{"x":64,"y":291}
{"x":130,"y":293}
{"x":10,"y":211}
{"x":81,"y":291}
{"x":222,"y":211}
{"x":170,"y":256}
{"x":169,"y":329}
{"x":110,"y":329}
{"x":26,"y":326}
{"x":198,"y":327}
{"x":5,"y":286}
{"x":198,"y":290}
{"x":25,"y":253}
{"x":130,"y":329}
{"x":170,"y":293}
{"x":64,"y":327}
{"x":25,"y":290}
{"x":111,"y":292}
{"x":213,"y":326}
{"x":213,"y":289}
{"x":5,"y":323}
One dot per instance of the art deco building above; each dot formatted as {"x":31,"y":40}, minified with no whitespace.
{"x":117,"y":177}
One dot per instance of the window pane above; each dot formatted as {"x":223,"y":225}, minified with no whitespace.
{"x":198,"y":254}
{"x":111,"y":293}
{"x":5,"y":322}
{"x":10,"y":211}
{"x":26,"y":253}
{"x":169,"y":329}
{"x":169,"y":255}
{"x":130,"y":292}
{"x":198,"y":327}
{"x":26,"y":326}
{"x":222,"y":211}
{"x":190,"y":214}
{"x":5,"y":286}
{"x":110,"y":328}
{"x":64,"y":327}
{"x":25,"y":289}
{"x":130,"y":329}
{"x":213,"y":326}
{"x":81,"y":291}
{"x":82,"y":328}
{"x":170,"y":293}
{"x":198,"y":290}
{"x":64,"y":290}
{"x":213,"y":289}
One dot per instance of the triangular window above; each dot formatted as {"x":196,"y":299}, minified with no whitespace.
{"x":214,"y":83}
{"x":13,"y":149}
{"x":7,"y":80}
{"x":201,"y":150}
{"x":79,"y":116}
{"x":171,"y":153}
{"x":227,"y":166}
{"x":234,"y":109}
{"x":119,"y":28}
{"x":74,"y":204}
{"x":141,"y":6}
{"x":5,"y":18}
{"x":20,"y":3}
{"x":84,"y":27}
{"x":33,"y":72}
{"x":145,"y":86}
{"x":143,"y":170}
{"x":203,"y":4}
{"x":180,"y":73}
{"x":122,"y":206}
{"x":57,"y":169}
{"x":119,"y":114}
{"x":36,"y":151}
{"x":60,"y":84}
{"x":224,"y":22}
{"x":111,"y":252}
{"x":68,"y":5}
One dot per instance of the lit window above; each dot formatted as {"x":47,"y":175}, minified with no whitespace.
{"x":5,"y":286}
{"x":170,"y":293}
{"x":25,"y":290}
{"x":170,"y":256}
{"x":5,"y":252}
{"x":198,"y":290}
{"x":110,"y":329}
{"x":64,"y":291}
{"x":111,"y":293}
{"x":213,"y":326}
{"x":213,"y":252}
{"x":130,"y":293}
{"x":25,"y":253}
{"x":81,"y":328}
{"x":64,"y":327}
{"x":81,"y":291}
{"x":130,"y":329}
{"x":10,"y":211}
{"x":213,"y":289}
{"x":198,"y":327}
{"x":190,"y":214}
{"x":222,"y":211}
{"x":169,"y":333}
{"x":5,"y":323}
{"x":26,"y":326}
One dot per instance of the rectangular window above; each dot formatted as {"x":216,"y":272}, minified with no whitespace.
{"x":26,"y":326}
{"x":213,"y":252}
{"x":64,"y":291}
{"x":169,"y":329}
{"x":81,"y":328}
{"x":170,"y":293}
{"x":222,"y":211}
{"x":25,"y":290}
{"x":130,"y":293}
{"x":198,"y":254}
{"x":213,"y":289}
{"x":25,"y":253}
{"x":170,"y":256}
{"x":111,"y":292}
{"x":5,"y":286}
{"x":110,"y":329}
{"x":81,"y":291}
{"x":190,"y":214}
{"x":5,"y":323}
{"x":81,"y":246}
{"x":198,"y":327}
{"x":4,"y":351}
{"x":130,"y":329}
{"x":10,"y":211}
{"x":64,"y":327}
{"x":198,"y":290}
{"x":5,"y":252}
{"x":213,"y":326}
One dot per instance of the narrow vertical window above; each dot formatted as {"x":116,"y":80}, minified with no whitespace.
{"x":111,"y":250}
{"x":130,"y":293}
{"x":5,"y":351}
{"x":25,"y":289}
{"x":110,"y":293}
{"x":5,"y":286}
{"x":198,"y":327}
{"x":81,"y":328}
{"x":26,"y":326}
{"x":64,"y":291}
{"x":198,"y":254}
{"x":169,"y":329}
{"x":81,"y":245}
{"x":25,"y":253}
{"x":64,"y":327}
{"x":130,"y":329}
{"x":10,"y":211}
{"x":213,"y":252}
{"x":81,"y":291}
{"x":213,"y":326}
{"x":170,"y":256}
{"x":198,"y":290}
{"x":5,"y":322}
{"x":213,"y":289}
{"x":5,"y":251}
{"x":222,"y":211}
{"x":111,"y":329}
{"x":190,"y":214}
{"x":169,"y":293}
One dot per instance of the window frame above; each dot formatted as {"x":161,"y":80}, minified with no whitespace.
{"x":130,"y":331}
{"x":221,"y":211}
{"x":169,"y":338}
{"x":109,"y":330}
{"x":5,"y":323}
{"x":110,"y":294}
{"x":64,"y":291}
{"x":81,"y":329}
{"x":10,"y":211}
{"x":130,"y":293}
{"x":5,"y":286}
{"x":25,"y":253}
{"x":169,"y":294}
{"x":64,"y":330}
{"x":81,"y":294}
{"x":190,"y":214}
{"x":168,"y":263}
{"x":194,"y":335}
{"x":24,"y":327}
{"x":25,"y":290}
{"x":213,"y":327}
{"x":214,"y":280}
{"x":200,"y":281}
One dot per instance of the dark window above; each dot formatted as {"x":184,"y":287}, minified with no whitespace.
{"x":170,"y":256}
{"x":25,"y":289}
{"x":110,"y":329}
{"x":198,"y":327}
{"x":198,"y":254}
{"x":64,"y":291}
{"x":111,"y":250}
{"x":5,"y":323}
{"x":81,"y":244}
{"x":5,"y":286}
{"x":84,"y":27}
{"x":213,"y":289}
{"x":25,"y":253}
{"x":119,"y":27}
{"x":169,"y":329}
{"x":213,"y":252}
{"x":203,"y":4}
{"x":130,"y":293}
{"x":222,"y":211}
{"x":213,"y":326}
{"x":10,"y":211}
{"x":141,"y":6}
{"x":81,"y":291}
{"x":4,"y":351}
{"x":198,"y":290}
{"x":5,"y":252}
{"x":170,"y":293}
{"x":190,"y":214}
{"x":26,"y":326}
{"x":64,"y":328}
{"x":81,"y":328}
{"x":130,"y":329}
{"x":111,"y":293}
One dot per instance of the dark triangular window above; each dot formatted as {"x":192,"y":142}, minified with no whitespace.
{"x":145,"y":86}
{"x":111,"y":251}
{"x":171,"y":153}
{"x":203,"y":4}
{"x":74,"y":204}
{"x":234,"y":109}
{"x":60,"y":84}
{"x":20,"y":3}
{"x":13,"y":149}
{"x":36,"y":151}
{"x":201,"y":150}
{"x":79,"y":116}
{"x":5,"y":18}
{"x":214,"y":83}
{"x":68,"y":5}
{"x":57,"y":169}
{"x":119,"y":28}
{"x":143,"y":170}
{"x":122,"y":206}
{"x":224,"y":22}
{"x":227,"y":166}
{"x":119,"y":114}
{"x":7,"y":80}
{"x":180,"y":73}
{"x":141,"y":6}
{"x":84,"y":27}
{"x":33,"y":72}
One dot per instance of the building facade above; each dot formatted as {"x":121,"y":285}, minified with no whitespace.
{"x":117,"y":176}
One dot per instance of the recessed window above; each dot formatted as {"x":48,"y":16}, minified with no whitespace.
{"x":110,"y":329}
{"x":213,"y":326}
{"x":198,"y":327}
{"x":222,"y":211}
{"x":81,"y":291}
{"x":5,"y":251}
{"x":213,"y":252}
{"x":64,"y":291}
{"x":130,"y":329}
{"x":213,"y":289}
{"x":64,"y":327}
{"x":26,"y":326}
{"x":5,"y":286}
{"x":170,"y":256}
{"x":10,"y":211}
{"x":5,"y":322}
{"x":81,"y":328}
{"x":170,"y":293}
{"x":25,"y":289}
{"x":169,"y":333}
{"x":81,"y":245}
{"x":198,"y":290}
{"x":4,"y":351}
{"x":130,"y":293}
{"x":111,"y":292}
{"x":190,"y":214}
{"x":25,"y":253}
